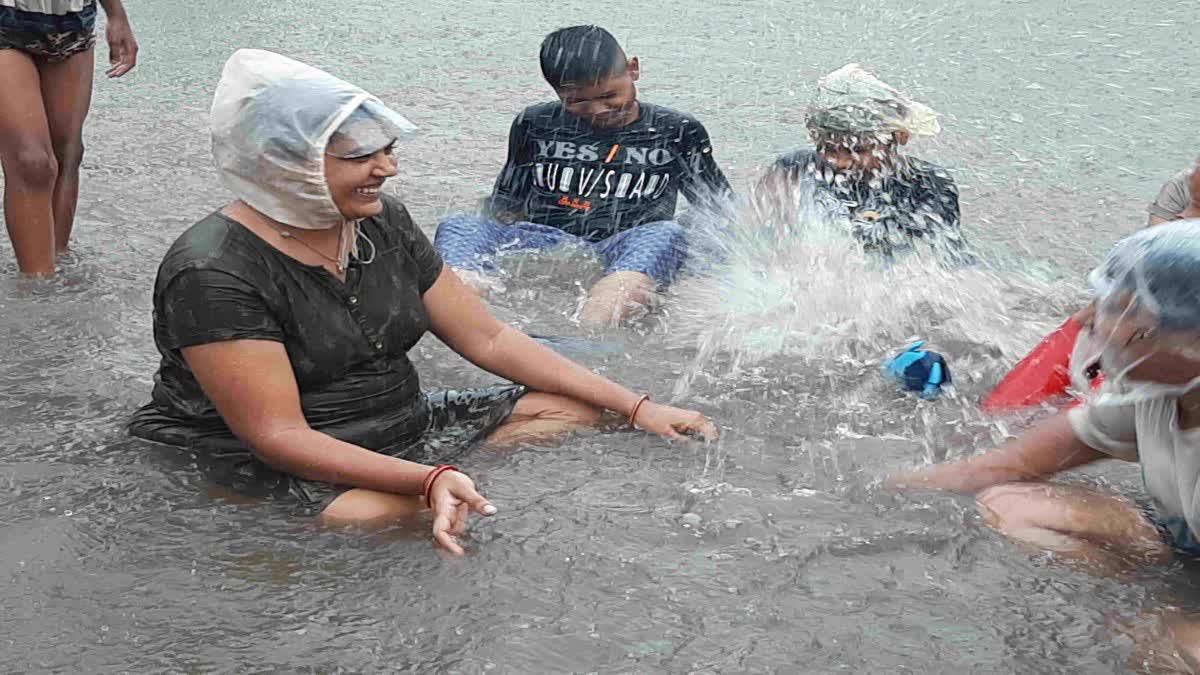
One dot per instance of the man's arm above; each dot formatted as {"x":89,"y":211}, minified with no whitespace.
{"x":1049,"y":448}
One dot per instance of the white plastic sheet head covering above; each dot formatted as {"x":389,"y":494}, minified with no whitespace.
{"x":852,"y":101}
{"x":272,"y":118}
{"x":1145,"y":293}
{"x":1158,"y":271}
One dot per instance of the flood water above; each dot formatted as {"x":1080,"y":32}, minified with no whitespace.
{"x":771,"y":550}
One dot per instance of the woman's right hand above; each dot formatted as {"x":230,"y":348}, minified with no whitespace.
{"x":674,"y":423}
{"x":452,"y":498}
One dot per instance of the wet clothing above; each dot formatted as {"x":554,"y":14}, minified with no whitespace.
{"x":1148,"y":432}
{"x":348,"y":343}
{"x":1174,"y":197}
{"x":468,"y":241}
{"x":458,"y":419}
{"x":53,"y":30}
{"x":594,"y":183}
{"x":918,"y":201}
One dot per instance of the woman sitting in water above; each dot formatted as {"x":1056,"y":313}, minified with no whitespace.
{"x":284,"y":320}
{"x":857,"y":174}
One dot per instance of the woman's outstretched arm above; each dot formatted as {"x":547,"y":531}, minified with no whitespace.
{"x":460,"y":320}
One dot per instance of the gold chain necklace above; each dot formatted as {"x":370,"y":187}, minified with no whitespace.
{"x":341,"y":268}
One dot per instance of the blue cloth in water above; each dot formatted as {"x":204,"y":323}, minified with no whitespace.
{"x":569,"y":345}
{"x":918,"y":369}
{"x":468,"y":241}
{"x":1177,"y":533}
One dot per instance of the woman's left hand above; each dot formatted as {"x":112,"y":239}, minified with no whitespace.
{"x":122,"y":46}
{"x":674,"y":423}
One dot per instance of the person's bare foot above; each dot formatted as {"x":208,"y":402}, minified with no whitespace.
{"x":618,"y":298}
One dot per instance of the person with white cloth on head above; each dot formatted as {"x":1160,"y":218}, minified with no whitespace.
{"x":857,"y":175}
{"x":1145,"y":337}
{"x":284,"y":321}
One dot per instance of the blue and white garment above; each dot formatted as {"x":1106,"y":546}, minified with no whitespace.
{"x":472,"y":242}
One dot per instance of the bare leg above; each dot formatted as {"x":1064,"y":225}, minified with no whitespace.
{"x":618,"y":297}
{"x":67,"y":92}
{"x":1104,"y":532}
{"x":537,"y":418}
{"x":30,"y":169}
{"x":542,"y":419}
{"x":370,"y":508}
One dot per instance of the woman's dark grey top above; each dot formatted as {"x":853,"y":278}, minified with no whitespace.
{"x":347,"y":342}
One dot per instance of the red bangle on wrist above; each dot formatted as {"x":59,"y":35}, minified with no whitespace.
{"x":636,"y":407}
{"x":432,"y":477}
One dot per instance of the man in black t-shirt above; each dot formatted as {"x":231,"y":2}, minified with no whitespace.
{"x":597,"y":167}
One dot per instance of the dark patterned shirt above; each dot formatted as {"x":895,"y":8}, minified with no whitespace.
{"x":594,"y":183}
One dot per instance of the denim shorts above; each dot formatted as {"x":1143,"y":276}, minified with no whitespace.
{"x":50,"y":37}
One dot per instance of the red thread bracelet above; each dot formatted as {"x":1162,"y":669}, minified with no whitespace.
{"x":636,"y":407}
{"x":432,"y":478}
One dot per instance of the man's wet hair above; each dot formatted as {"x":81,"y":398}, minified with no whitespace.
{"x":581,"y":55}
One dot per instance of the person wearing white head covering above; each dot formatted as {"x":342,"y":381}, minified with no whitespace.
{"x":284,"y":320}
{"x":857,"y":175}
{"x":1145,"y":338}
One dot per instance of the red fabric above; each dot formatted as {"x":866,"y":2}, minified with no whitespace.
{"x":1043,"y":374}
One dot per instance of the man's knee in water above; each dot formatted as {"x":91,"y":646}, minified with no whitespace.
{"x":1012,"y":505}
{"x":632,"y":286}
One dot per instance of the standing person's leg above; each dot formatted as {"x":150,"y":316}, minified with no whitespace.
{"x":67,"y":92}
{"x":30,"y":169}
{"x":639,"y":261}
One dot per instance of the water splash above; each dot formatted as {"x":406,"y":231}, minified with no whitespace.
{"x":805,"y":289}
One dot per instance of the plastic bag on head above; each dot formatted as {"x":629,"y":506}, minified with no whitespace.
{"x":851,"y":100}
{"x":271,"y":120}
{"x":1159,"y":268}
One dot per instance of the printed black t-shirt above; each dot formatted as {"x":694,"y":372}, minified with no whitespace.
{"x":347,"y":342}
{"x":594,"y":183}
{"x":918,"y":201}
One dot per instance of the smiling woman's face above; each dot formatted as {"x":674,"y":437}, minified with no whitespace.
{"x":355,"y":182}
